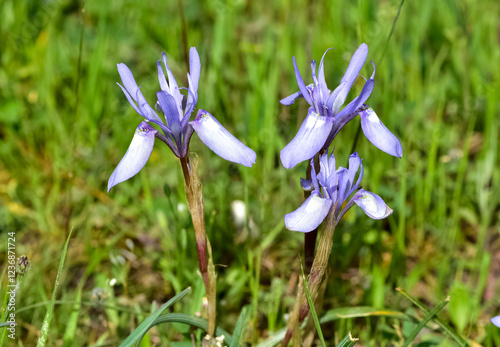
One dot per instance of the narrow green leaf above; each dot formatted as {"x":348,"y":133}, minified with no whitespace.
{"x":424,"y":321}
{"x":348,"y":341}
{"x":44,"y":332}
{"x":362,"y":311}
{"x":69,"y":333}
{"x":239,"y":328}
{"x":453,"y":334}
{"x":198,"y":322}
{"x":137,"y":335}
{"x":4,"y":309}
{"x":312,"y":308}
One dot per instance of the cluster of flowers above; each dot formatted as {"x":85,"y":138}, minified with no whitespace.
{"x":331,"y":187}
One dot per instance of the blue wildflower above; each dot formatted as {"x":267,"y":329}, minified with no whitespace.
{"x":325,"y":118}
{"x":176,"y":129}
{"x":330,"y":188}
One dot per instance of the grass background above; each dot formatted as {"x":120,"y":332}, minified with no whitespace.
{"x":65,"y":124}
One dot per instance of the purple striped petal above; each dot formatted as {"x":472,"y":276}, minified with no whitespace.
{"x":376,"y":132}
{"x":309,"y":139}
{"x":137,"y":155}
{"x":310,"y":215}
{"x":300,"y":82}
{"x":496,"y":321}
{"x":372,"y":204}
{"x":219,"y":140}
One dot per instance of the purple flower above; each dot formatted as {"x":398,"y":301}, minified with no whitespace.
{"x":176,"y":129}
{"x":325,"y":117}
{"x":496,"y":321}
{"x":330,"y":188}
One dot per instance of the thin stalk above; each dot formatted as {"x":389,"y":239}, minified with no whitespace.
{"x":293,"y":320}
{"x":310,"y":237}
{"x":320,"y":263}
{"x":318,"y":269}
{"x":194,"y":196}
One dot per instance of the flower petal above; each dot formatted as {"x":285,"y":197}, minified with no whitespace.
{"x":194,"y":68}
{"x":173,"y":88}
{"x":309,"y":139}
{"x":307,"y":185}
{"x":361,"y":98}
{"x":342,"y":175}
{"x":357,"y":61}
{"x":130,"y":100}
{"x":496,"y":321}
{"x":321,"y":73}
{"x":137,"y":155}
{"x":219,"y":140}
{"x":376,"y":132}
{"x":354,"y":164}
{"x":372,"y":204}
{"x":135,"y":93}
{"x":310,"y":215}
{"x":169,"y":108}
{"x":161,"y":77}
{"x":128,"y":80}
{"x":291,"y":98}
{"x":300,"y":82}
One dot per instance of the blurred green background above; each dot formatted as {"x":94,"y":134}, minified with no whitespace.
{"x":65,"y":125}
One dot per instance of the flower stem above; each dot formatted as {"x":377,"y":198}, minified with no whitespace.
{"x":310,"y":237}
{"x":320,"y":263}
{"x":194,"y":196}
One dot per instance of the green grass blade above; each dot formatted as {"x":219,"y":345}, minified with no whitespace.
{"x":312,"y":308}
{"x":424,"y":321}
{"x":42,"y":340}
{"x":362,"y":311}
{"x":239,"y":328}
{"x":70,"y":332}
{"x":193,"y":321}
{"x":137,"y":335}
{"x":348,"y":341}
{"x":453,"y":334}
{"x":4,"y":310}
